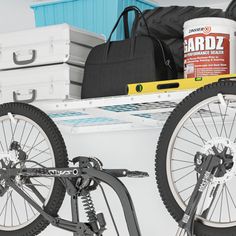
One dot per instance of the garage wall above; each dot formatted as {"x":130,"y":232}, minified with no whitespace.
{"x":16,"y":15}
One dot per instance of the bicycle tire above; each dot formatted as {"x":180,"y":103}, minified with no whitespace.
{"x":164,"y":147}
{"x":54,"y":136}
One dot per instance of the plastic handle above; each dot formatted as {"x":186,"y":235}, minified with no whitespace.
{"x":34,"y":93}
{"x":25,"y":62}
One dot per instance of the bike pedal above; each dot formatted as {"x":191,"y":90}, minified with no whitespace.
{"x":137,"y":174}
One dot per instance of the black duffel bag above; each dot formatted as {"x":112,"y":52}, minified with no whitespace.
{"x":113,"y":65}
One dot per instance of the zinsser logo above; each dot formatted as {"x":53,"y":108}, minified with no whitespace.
{"x":205,"y":30}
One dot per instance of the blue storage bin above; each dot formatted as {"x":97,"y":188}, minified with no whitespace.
{"x":93,"y":15}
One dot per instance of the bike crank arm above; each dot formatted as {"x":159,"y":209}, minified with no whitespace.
{"x":208,"y":171}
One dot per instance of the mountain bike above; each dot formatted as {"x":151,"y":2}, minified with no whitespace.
{"x":195,"y":170}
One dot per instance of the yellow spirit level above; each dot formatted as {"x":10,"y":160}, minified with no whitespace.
{"x":175,"y":85}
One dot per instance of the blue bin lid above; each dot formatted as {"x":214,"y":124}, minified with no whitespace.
{"x":150,"y":3}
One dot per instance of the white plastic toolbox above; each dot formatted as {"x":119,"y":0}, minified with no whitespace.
{"x":60,"y":81}
{"x":46,"y":45}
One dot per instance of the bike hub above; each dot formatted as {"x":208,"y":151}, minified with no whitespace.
{"x":223,"y":149}
{"x":9,"y":160}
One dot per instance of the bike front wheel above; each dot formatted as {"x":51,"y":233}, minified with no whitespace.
{"x":204,"y":119}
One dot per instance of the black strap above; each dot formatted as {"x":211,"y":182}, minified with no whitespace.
{"x":125,"y":12}
{"x":135,"y":26}
{"x":126,"y":23}
{"x":133,"y":35}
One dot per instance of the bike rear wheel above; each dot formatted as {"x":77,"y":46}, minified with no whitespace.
{"x":37,"y":136}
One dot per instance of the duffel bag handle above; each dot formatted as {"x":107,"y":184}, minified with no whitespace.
{"x":123,"y":14}
{"x":126,"y":23}
{"x":133,"y":36}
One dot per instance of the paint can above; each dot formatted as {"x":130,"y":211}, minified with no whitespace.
{"x":209,"y":47}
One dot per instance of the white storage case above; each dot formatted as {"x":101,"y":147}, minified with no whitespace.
{"x":61,"y":81}
{"x":46,"y":45}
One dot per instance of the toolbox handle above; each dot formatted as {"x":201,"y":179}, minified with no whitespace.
{"x":33,"y":92}
{"x":25,"y":62}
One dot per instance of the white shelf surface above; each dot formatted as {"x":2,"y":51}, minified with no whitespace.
{"x":113,"y":113}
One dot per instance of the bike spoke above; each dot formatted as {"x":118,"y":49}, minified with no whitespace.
{"x":201,"y":211}
{"x":11,"y":211}
{"x":23,"y":131}
{"x":223,"y":122}
{"x":188,"y":198}
{"x":194,"y":134}
{"x":217,"y":201}
{"x":5,"y":204}
{"x":5,"y":215}
{"x":217,"y":132}
{"x":231,"y":129}
{"x":189,"y":173}
{"x":31,"y":208}
{"x":221,"y":203}
{"x":32,"y":127}
{"x":5,"y":138}
{"x":42,"y":152}
{"x":42,"y":162}
{"x":182,"y":168}
{"x":33,"y":145}
{"x":230,"y":196}
{"x":25,"y":191}
{"x":26,"y":211}
{"x":190,"y":154}
{"x":181,"y":191}
{"x":205,"y":125}
{"x":16,"y":212}
{"x":186,"y":140}
{"x":41,"y":184}
{"x":190,"y":162}
{"x":197,"y":130}
{"x":32,"y":187}
{"x":227,"y":200}
{"x":1,"y":146}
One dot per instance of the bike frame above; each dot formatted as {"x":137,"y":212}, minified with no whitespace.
{"x":65,"y":174}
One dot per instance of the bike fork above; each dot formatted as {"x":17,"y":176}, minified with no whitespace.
{"x":208,"y":171}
